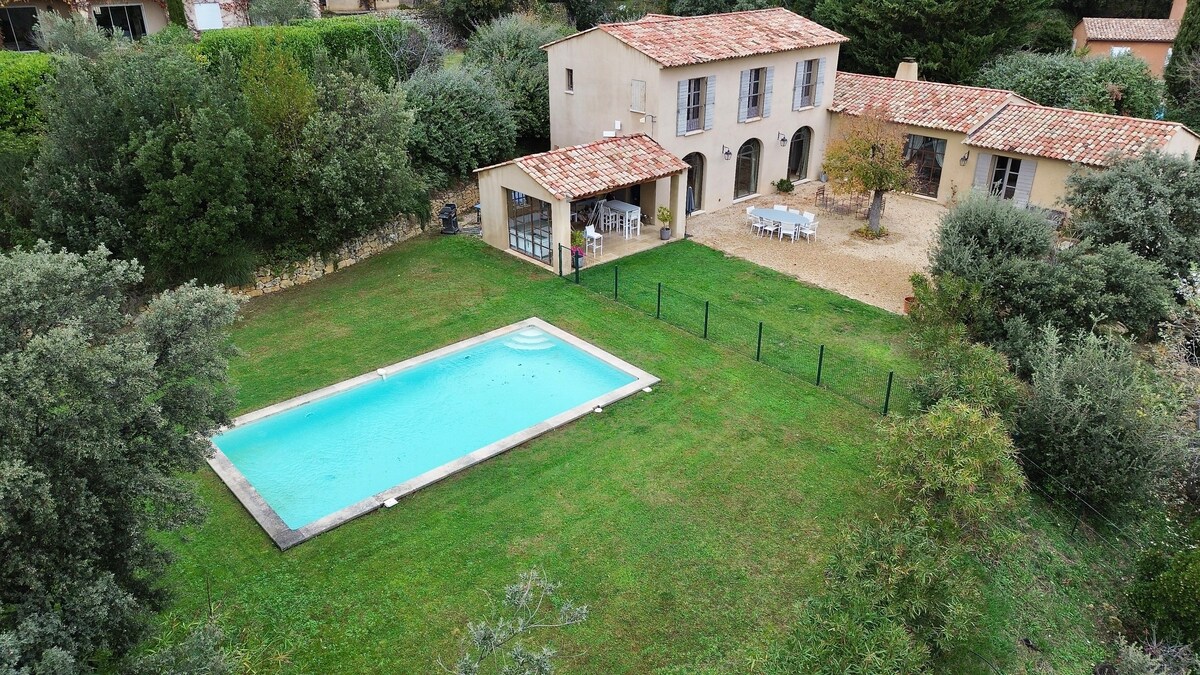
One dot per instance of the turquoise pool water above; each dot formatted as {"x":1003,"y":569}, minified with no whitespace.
{"x":313,"y":460}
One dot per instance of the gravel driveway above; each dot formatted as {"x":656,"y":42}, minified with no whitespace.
{"x":875,"y":272}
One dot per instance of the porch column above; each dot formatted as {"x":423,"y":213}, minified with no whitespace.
{"x":678,"y":206}
{"x":560,"y":231}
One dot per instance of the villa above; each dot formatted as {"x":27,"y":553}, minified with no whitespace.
{"x":743,"y":99}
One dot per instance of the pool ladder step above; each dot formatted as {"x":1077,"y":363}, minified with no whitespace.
{"x":529,"y":340}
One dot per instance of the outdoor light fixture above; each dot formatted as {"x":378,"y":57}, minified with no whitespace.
{"x":727,"y":152}
{"x":782,"y":139}
{"x":962,"y":161}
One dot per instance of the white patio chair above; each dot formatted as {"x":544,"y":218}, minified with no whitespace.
{"x":808,"y":230}
{"x":788,"y":230}
{"x":769,"y":228}
{"x":810,"y":216}
{"x":593,"y":240}
{"x":794,"y":212}
{"x":781,"y":207}
{"x":756,"y":226}
{"x":633,"y":226}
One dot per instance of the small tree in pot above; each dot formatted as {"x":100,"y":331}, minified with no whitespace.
{"x":577,"y":248}
{"x":664,"y":217}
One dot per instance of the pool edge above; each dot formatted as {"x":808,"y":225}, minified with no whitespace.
{"x":285,"y":537}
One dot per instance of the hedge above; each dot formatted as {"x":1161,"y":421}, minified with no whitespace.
{"x":340,"y":36}
{"x":21,"y":73}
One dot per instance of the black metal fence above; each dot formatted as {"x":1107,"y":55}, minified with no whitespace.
{"x":858,"y":380}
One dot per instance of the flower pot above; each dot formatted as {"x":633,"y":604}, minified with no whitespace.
{"x":576,"y":262}
{"x":909,"y":302}
{"x":664,"y":233}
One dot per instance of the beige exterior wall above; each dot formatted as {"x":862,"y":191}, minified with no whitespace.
{"x":493,"y":204}
{"x":604,"y":69}
{"x":1185,"y":145}
{"x":1153,"y":53}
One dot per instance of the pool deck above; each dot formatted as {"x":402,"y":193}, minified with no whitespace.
{"x":286,"y":537}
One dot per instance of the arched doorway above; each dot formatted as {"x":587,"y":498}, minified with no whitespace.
{"x":695,"y":181}
{"x":799,"y":153}
{"x":745,"y":174}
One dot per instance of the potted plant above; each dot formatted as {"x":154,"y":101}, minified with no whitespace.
{"x":784,"y":185}
{"x":664,"y":217}
{"x":577,"y":249}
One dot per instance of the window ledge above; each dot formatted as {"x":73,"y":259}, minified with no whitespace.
{"x":693,"y":133}
{"x":748,"y":120}
{"x":742,"y":199}
{"x":568,"y":91}
{"x":804,"y":108}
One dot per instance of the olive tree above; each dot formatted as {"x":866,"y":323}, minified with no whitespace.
{"x":867,"y":155}
{"x":100,"y":414}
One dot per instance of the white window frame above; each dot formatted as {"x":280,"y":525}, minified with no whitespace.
{"x":808,"y":86}
{"x":696,"y":97}
{"x":570,"y":80}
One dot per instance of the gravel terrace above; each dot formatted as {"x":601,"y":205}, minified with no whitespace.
{"x":875,"y":272}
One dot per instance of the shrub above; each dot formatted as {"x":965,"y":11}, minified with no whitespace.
{"x":1115,"y":86}
{"x":464,"y":16}
{"x":20,"y":76}
{"x":340,"y":36}
{"x":1095,"y":426}
{"x":958,"y":369}
{"x":784,"y":185}
{"x":510,"y":49}
{"x":1157,"y":658}
{"x":461,"y":122}
{"x":1151,"y":203}
{"x":278,"y":12}
{"x":982,"y":233}
{"x":1166,"y":587}
{"x":74,"y":35}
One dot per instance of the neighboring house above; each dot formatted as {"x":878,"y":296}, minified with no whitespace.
{"x":1147,"y":39}
{"x":963,"y":138}
{"x":363,"y":6}
{"x":740,"y":97}
{"x":134,"y":19}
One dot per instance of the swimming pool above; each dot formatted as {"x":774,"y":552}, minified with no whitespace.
{"x":309,"y":464}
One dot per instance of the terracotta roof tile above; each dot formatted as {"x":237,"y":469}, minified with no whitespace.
{"x":681,"y":41}
{"x":601,"y":166}
{"x":1071,"y":135}
{"x":1131,"y":30}
{"x":924,"y":104}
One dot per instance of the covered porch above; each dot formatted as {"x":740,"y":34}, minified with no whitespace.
{"x":611,"y":189}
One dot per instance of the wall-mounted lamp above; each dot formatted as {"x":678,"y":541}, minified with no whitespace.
{"x":726,"y":152}
{"x":782,"y":139}
{"x":962,"y":161}
{"x":648,"y":118}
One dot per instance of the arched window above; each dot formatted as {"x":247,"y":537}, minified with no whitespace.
{"x":745,"y":174}
{"x":799,"y":153}
{"x":695,"y":181}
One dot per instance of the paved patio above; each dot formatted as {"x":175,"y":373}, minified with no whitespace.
{"x":875,"y":272}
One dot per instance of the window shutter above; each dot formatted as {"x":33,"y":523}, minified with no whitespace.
{"x":710,"y":100}
{"x":983,"y":165}
{"x":1025,"y":182}
{"x":820,"y":81}
{"x":681,"y":114}
{"x":798,"y":85}
{"x":744,"y":96}
{"x":768,"y":91}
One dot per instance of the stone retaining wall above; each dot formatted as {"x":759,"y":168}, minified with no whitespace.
{"x":270,"y":279}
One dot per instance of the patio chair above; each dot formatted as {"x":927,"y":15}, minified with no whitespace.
{"x":788,"y":230}
{"x":633,"y":227}
{"x":756,"y":225}
{"x":781,"y":207}
{"x":769,"y":228}
{"x":808,"y":230}
{"x":810,"y":216}
{"x":593,"y":240}
{"x":794,"y":212}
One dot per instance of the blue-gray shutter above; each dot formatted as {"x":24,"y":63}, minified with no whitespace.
{"x":768,"y":92}
{"x":820,"y":82}
{"x":710,"y":101}
{"x":1025,"y":182}
{"x":744,"y":96}
{"x":681,"y":114}
{"x":983,"y":166}
{"x":798,"y":86}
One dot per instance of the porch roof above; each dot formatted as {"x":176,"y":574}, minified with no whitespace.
{"x":599,"y":167}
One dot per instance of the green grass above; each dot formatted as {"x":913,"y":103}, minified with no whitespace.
{"x":691,"y":519}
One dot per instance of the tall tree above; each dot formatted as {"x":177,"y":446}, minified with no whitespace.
{"x":867,"y":155}
{"x":950,"y":38}
{"x":1183,"y":74}
{"x":99,"y":414}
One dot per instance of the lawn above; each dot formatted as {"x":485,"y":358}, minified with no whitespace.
{"x":691,"y":519}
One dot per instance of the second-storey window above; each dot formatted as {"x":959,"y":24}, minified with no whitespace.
{"x":754,"y":95}
{"x":570,"y":79}
{"x":695,"y":104}
{"x":807,"y":76}
{"x":637,"y":99}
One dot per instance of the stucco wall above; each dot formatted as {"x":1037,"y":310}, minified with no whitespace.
{"x":493,"y":200}
{"x":1153,"y":53}
{"x":604,"y":69}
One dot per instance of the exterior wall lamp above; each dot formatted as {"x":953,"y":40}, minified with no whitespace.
{"x":726,"y":152}
{"x":782,"y":139}
{"x":962,"y":161}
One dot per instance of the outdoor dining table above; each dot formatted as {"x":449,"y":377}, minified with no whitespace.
{"x":630,"y":214}
{"x":781,"y":217}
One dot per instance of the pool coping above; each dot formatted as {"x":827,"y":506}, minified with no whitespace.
{"x":286,"y":537}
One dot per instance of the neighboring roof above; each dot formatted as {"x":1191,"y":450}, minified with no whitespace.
{"x":681,"y":41}
{"x":950,"y":107}
{"x":1130,"y":30}
{"x":1072,"y":135}
{"x":599,"y":167}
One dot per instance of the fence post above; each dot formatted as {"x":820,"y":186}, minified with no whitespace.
{"x":887,"y":397}
{"x":658,"y":307}
{"x":820,"y":363}
{"x":705,"y":319}
{"x":576,"y":264}
{"x":758,"y":351}
{"x":560,"y":261}
{"x":616,"y":281}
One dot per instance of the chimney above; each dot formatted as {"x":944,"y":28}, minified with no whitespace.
{"x":1177,"y":8}
{"x":908,"y":67}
